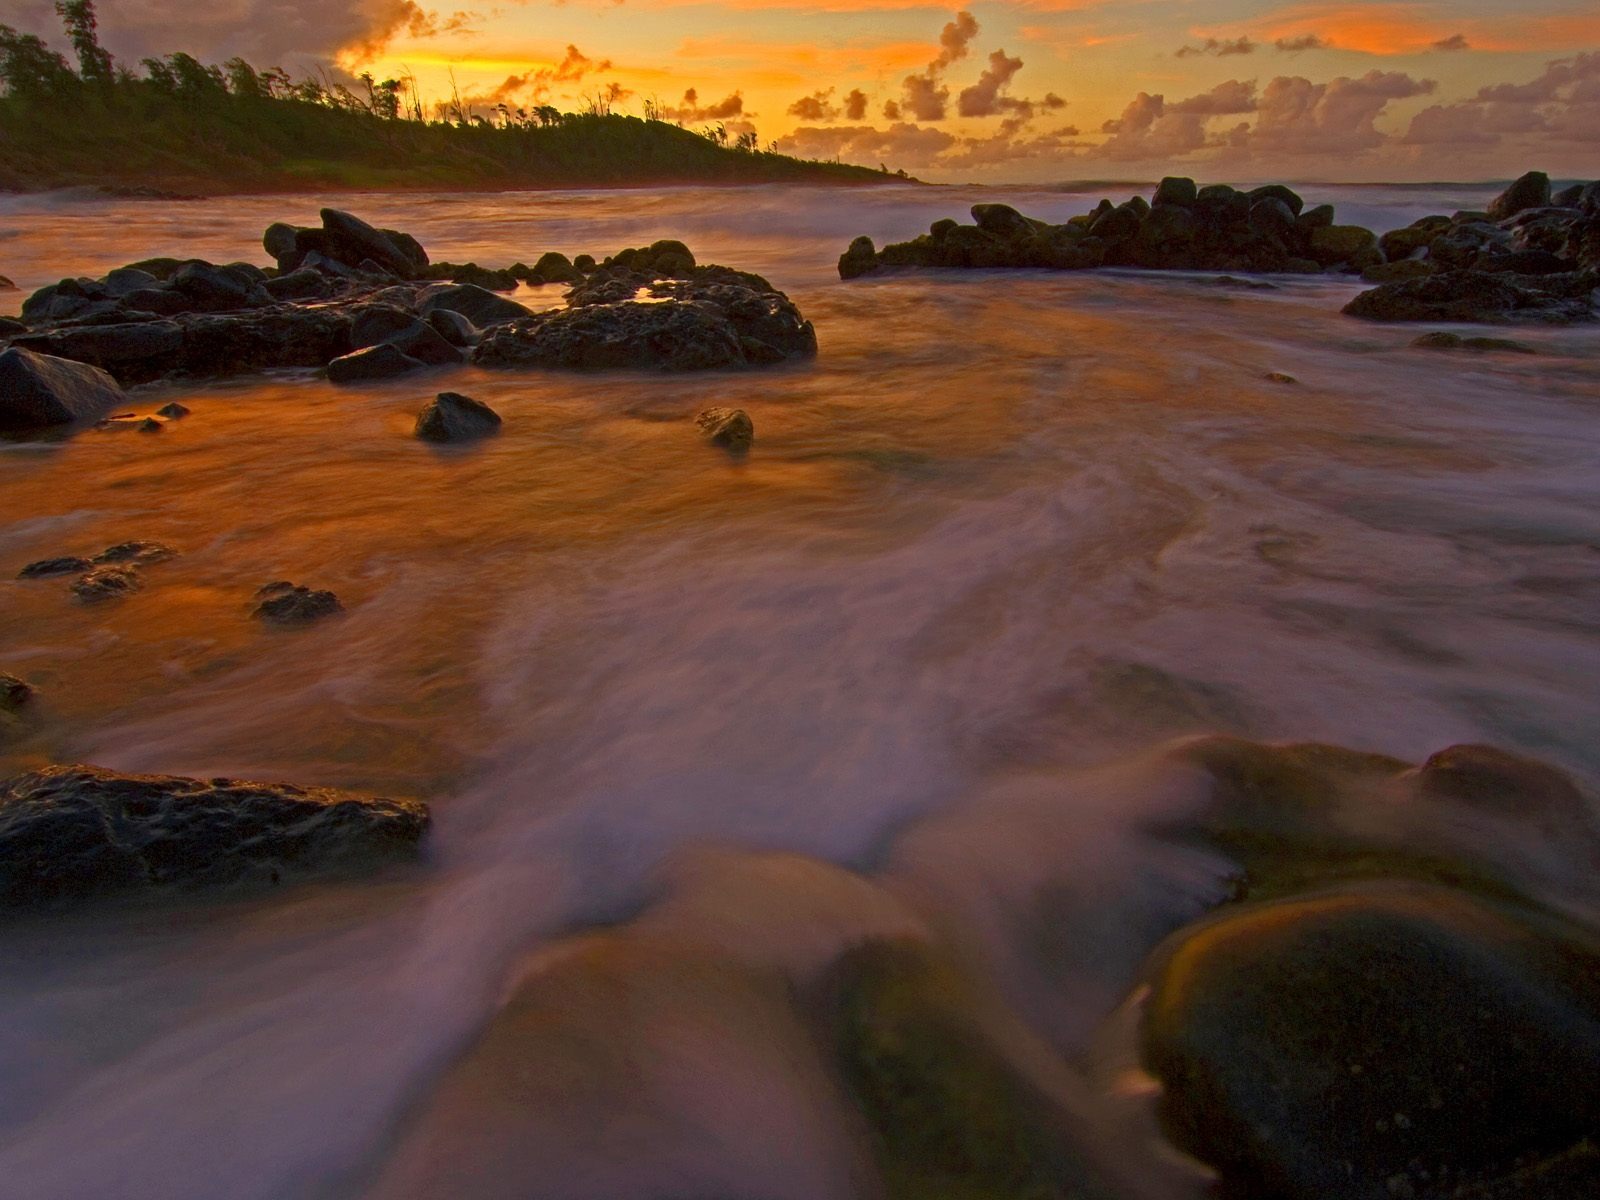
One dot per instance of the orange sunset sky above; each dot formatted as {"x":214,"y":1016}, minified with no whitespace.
{"x":1027,"y":90}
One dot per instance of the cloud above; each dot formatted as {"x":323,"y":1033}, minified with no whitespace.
{"x":1307,"y":41}
{"x":537,"y":84}
{"x":1556,"y":112}
{"x":924,"y":96}
{"x":984,"y":98}
{"x":855,"y":105}
{"x":1221,"y":49}
{"x":818,"y":106}
{"x":900,"y":145}
{"x":1454,"y":42}
{"x":690,"y":111}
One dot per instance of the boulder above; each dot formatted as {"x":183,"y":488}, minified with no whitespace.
{"x":556,"y":268}
{"x":453,"y":328}
{"x":298,"y":284}
{"x":860,"y":258}
{"x":1476,"y":296}
{"x":1002,"y":220}
{"x":478,"y":305}
{"x":134,"y":351}
{"x":38,"y":391}
{"x":77,"y":833}
{"x":1341,"y":243}
{"x":126,"y":280}
{"x":383,"y":361}
{"x":350,"y":240}
{"x":286,"y":603}
{"x":730,"y":428}
{"x":381,"y":324}
{"x":1531,"y":191}
{"x":452,"y":417}
{"x":1389,"y":272}
{"x":217,"y":289}
{"x":1288,"y":197}
{"x":1379,"y":1041}
{"x":1175,"y":190}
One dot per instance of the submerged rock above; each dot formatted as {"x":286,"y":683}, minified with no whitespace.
{"x":38,"y":391}
{"x":1454,"y":341}
{"x":1380,"y":1041}
{"x":15,"y":694}
{"x":107,"y":583}
{"x":730,"y":428}
{"x":45,"y":567}
{"x":285,"y":603}
{"x":452,"y":417}
{"x":76,"y":833}
{"x":138,"y":553}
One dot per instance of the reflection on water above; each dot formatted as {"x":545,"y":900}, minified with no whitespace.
{"x":1005,"y":528}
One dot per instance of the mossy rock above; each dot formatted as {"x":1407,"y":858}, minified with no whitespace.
{"x":1367,"y":1043}
{"x":949,"y":1116}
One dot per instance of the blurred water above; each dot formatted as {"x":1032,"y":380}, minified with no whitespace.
{"x":1006,"y":528}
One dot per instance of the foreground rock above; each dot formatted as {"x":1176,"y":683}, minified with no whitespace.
{"x":704,"y":318}
{"x":39,"y":391}
{"x":452,"y":417}
{"x":1382,"y":1041}
{"x":76,"y":833}
{"x":730,"y":428}
{"x":285,"y":603}
{"x":1532,"y":257}
{"x":1183,"y":227}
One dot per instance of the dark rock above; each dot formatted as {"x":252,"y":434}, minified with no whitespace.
{"x":1002,"y":220}
{"x":216,"y":289}
{"x":1531,"y":191}
{"x":556,"y":268}
{"x":15,"y":694}
{"x":1406,"y":268}
{"x":300,"y":284}
{"x":349,"y":239}
{"x":453,"y":328}
{"x":383,"y":361}
{"x":380,"y":324}
{"x":6,"y":285}
{"x":1497,"y":781}
{"x":46,"y":567}
{"x":136,"y":351}
{"x":127,"y":280}
{"x":1341,"y":243}
{"x":1175,"y":189}
{"x":215,"y":345}
{"x":139,"y":553}
{"x":1271,"y":217}
{"x":76,"y":833}
{"x":290,"y":604}
{"x":478,"y":305}
{"x":730,"y":428}
{"x":452,"y":417}
{"x":40,"y":390}
{"x":1121,"y":222}
{"x":172,"y":411}
{"x":1475,"y":296}
{"x":106,"y":583}
{"x":280,"y":241}
{"x":1454,"y":341}
{"x":161,"y":301}
{"x":10,"y":327}
{"x":1525,"y":262}
{"x":1375,"y":1042}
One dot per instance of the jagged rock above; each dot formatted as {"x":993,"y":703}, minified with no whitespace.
{"x":1530,"y":191}
{"x":730,"y":428}
{"x":478,"y":305}
{"x":77,"y":833}
{"x":286,"y":603}
{"x":107,"y":583}
{"x":452,"y":417}
{"x":383,"y":361}
{"x":1378,"y":1041}
{"x":38,"y":391}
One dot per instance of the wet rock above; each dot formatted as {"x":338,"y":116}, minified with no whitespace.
{"x":350,"y":240}
{"x":172,"y":411}
{"x":217,"y":289}
{"x":452,"y":417}
{"x":556,"y":268}
{"x":1477,"y":296}
{"x":1002,"y":220}
{"x":478,"y":305}
{"x":454,"y":328}
{"x":1454,"y":341}
{"x":107,"y":583}
{"x":286,"y":603}
{"x":1279,"y":377}
{"x":38,"y":391}
{"x":301,"y":284}
{"x":383,"y":361}
{"x":47,"y":567}
{"x":382,"y":324}
{"x":139,"y":553}
{"x":1379,"y":1041}
{"x":133,"y":351}
{"x":730,"y":428}
{"x":15,"y":694}
{"x":10,"y":328}
{"x":860,"y":258}
{"x":1530,"y":191}
{"x":76,"y":833}
{"x":6,"y":285}
{"x":1406,"y":268}
{"x":1176,"y":190}
{"x":124,"y":281}
{"x":1340,"y":243}
{"x":1495,"y":780}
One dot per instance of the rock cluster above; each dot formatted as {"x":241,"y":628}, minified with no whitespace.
{"x":1182,"y":227}
{"x":365,"y":304}
{"x":75,"y":833}
{"x":114,"y":572}
{"x":1532,"y":257}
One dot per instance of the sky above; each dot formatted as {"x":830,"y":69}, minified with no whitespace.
{"x":1017,"y":91}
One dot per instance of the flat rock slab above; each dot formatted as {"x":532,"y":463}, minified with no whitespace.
{"x":76,"y":833}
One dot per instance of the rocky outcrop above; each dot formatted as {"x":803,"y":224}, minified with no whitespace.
{"x":77,"y":833}
{"x":346,"y":241}
{"x":1532,"y":257}
{"x":1182,"y":227}
{"x":38,"y":391}
{"x":452,"y":417}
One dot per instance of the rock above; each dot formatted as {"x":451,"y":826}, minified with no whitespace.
{"x":1312,"y":219}
{"x":279,"y":240}
{"x":46,"y":567}
{"x":1374,"y":1042}
{"x":859,"y":259}
{"x":478,"y":305}
{"x":131,"y":351}
{"x":1002,"y":220}
{"x":290,"y":604}
{"x":349,"y":240}
{"x":10,"y":328}
{"x":1406,"y":268}
{"x":1497,"y":781}
{"x":454,"y":328}
{"x":1525,"y":262}
{"x":1279,"y":377}
{"x":1419,"y":235}
{"x":556,"y":268}
{"x":1340,"y":243}
{"x":15,"y":694}
{"x":107,"y":583}
{"x":299,"y":284}
{"x":1531,"y":191}
{"x":1176,"y":190}
{"x":1270,"y":217}
{"x":6,"y":285}
{"x":217,"y":289}
{"x":172,"y":411}
{"x":381,"y":324}
{"x":1119,"y":223}
{"x":38,"y":391}
{"x":124,"y":281}
{"x":1454,"y":341}
{"x":77,"y":833}
{"x":139,"y":553}
{"x":452,"y":417}
{"x":383,"y":361}
{"x":1476,"y":296}
{"x":730,"y":428}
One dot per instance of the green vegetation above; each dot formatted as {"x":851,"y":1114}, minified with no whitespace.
{"x":182,"y":126}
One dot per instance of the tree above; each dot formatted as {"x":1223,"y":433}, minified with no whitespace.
{"x":31,"y":70}
{"x":94,"y":63}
